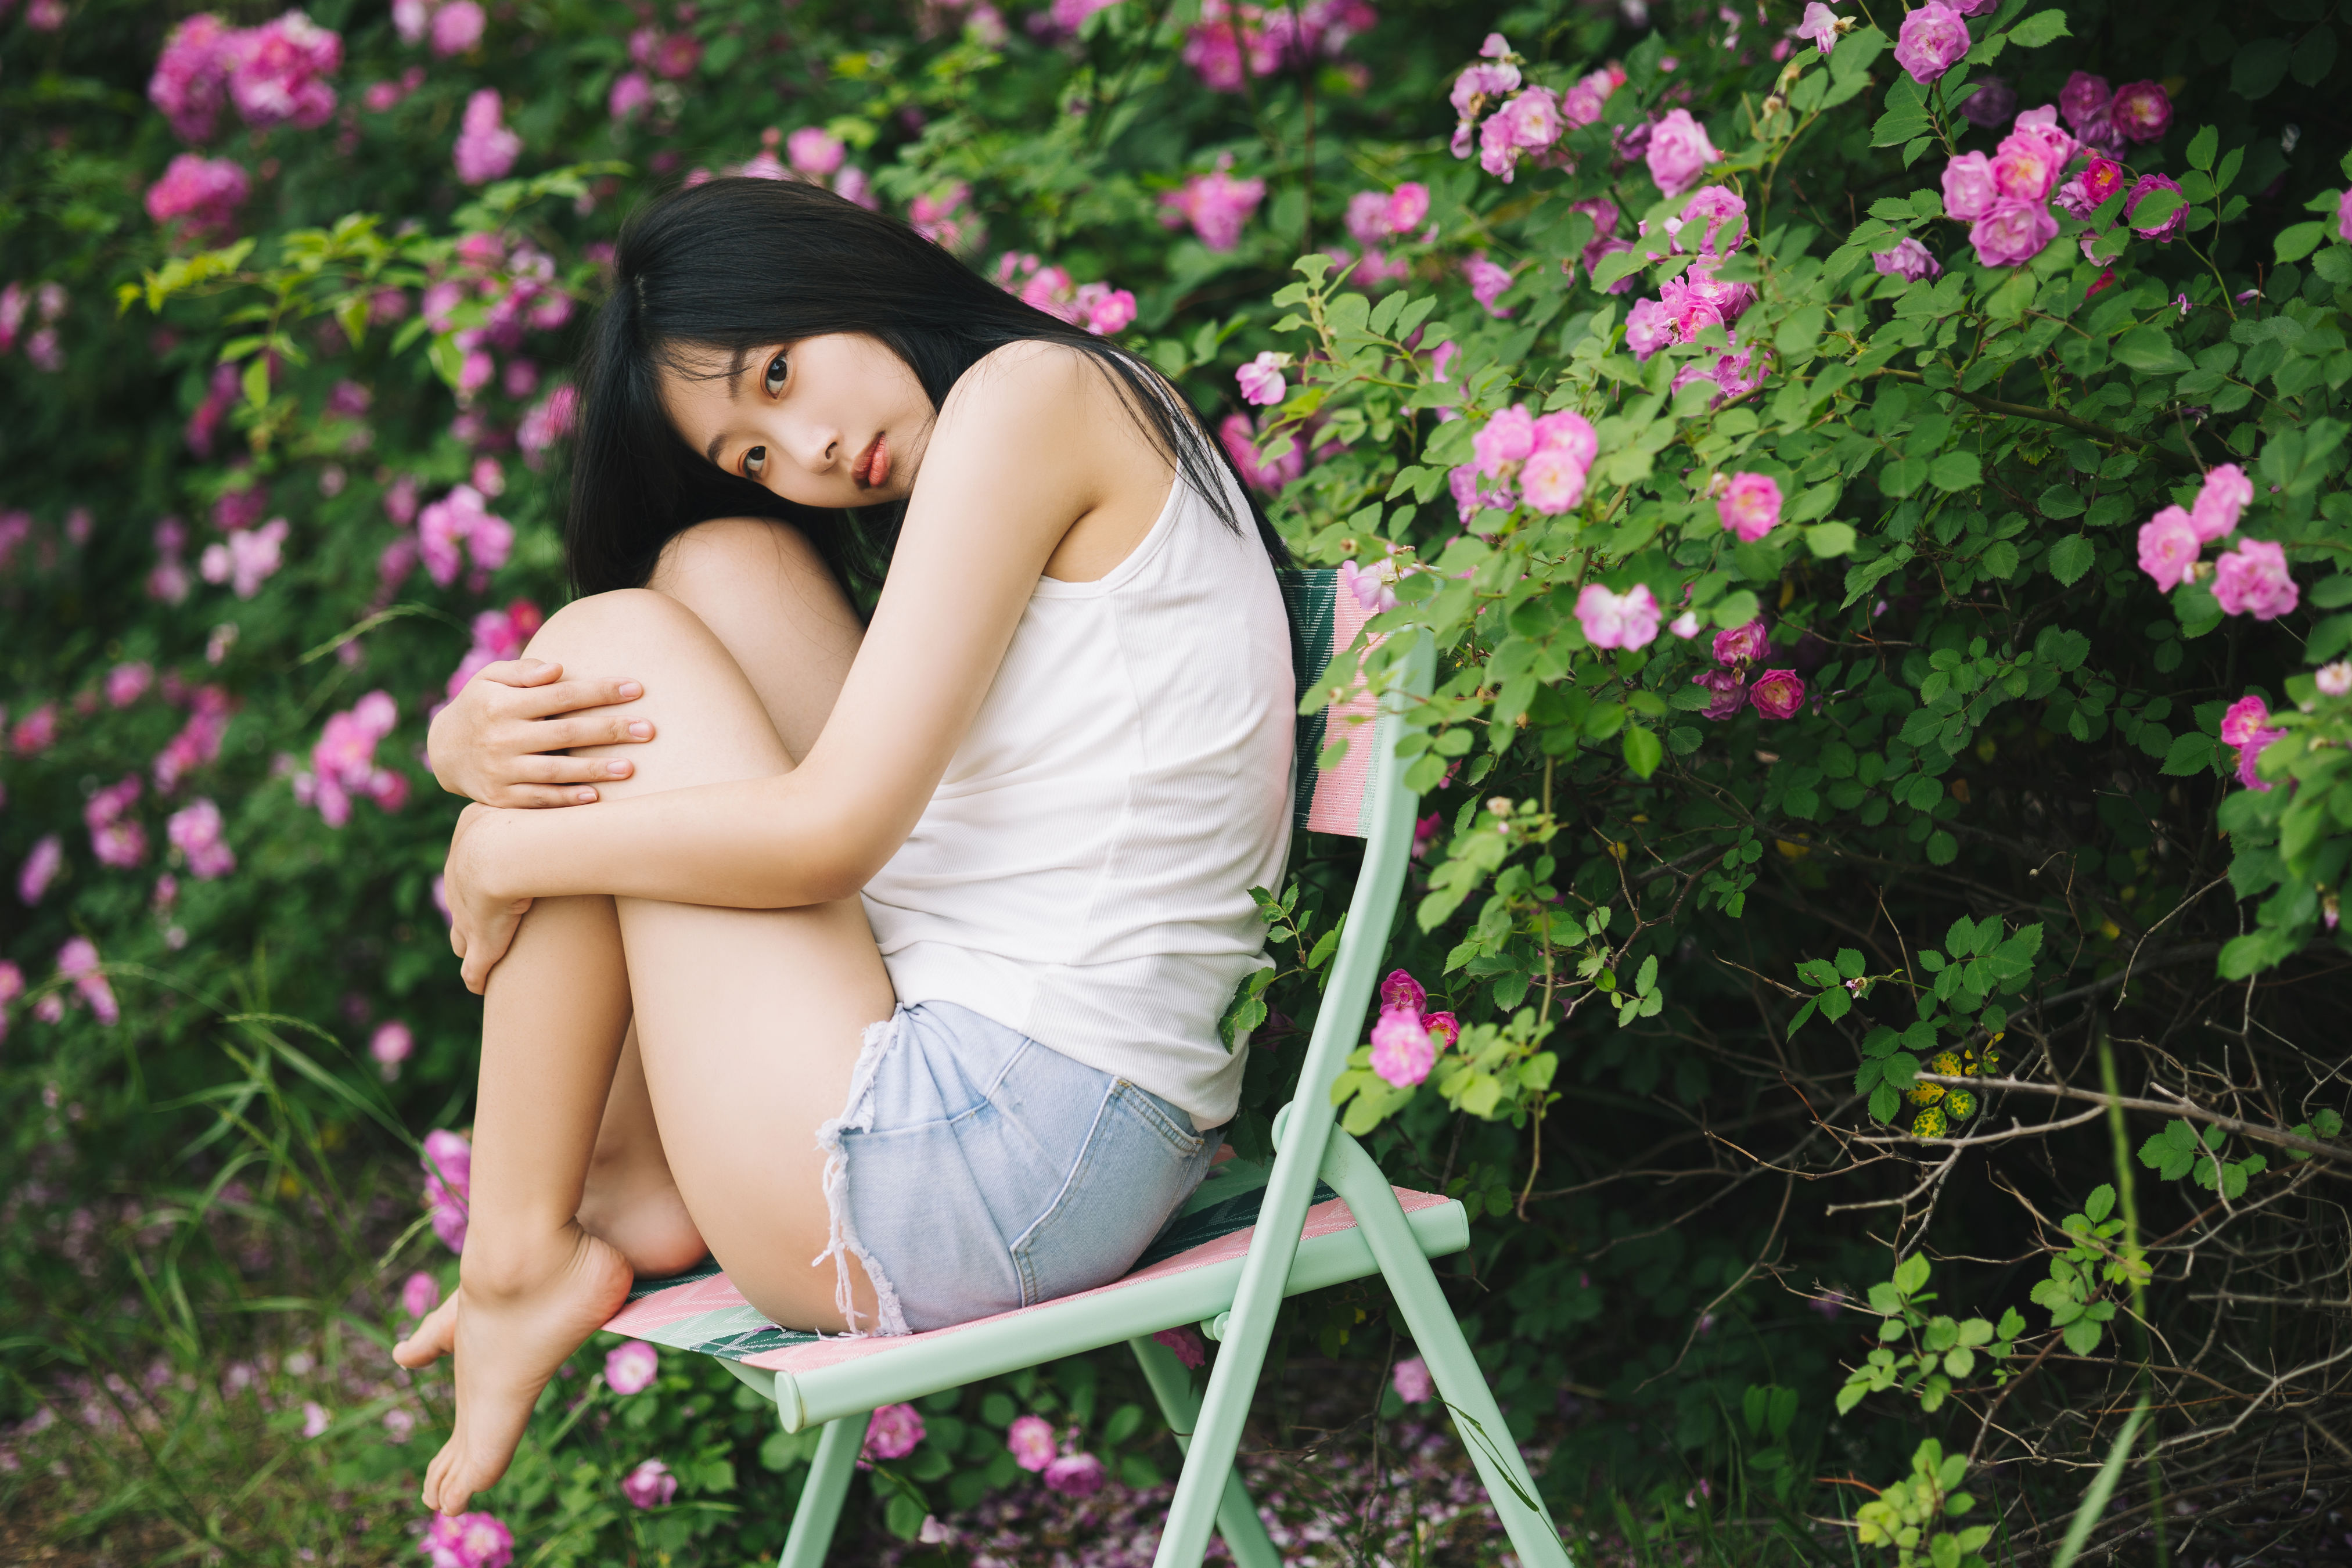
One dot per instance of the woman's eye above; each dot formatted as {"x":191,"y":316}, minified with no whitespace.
{"x":754,"y":462}
{"x":776,"y":375}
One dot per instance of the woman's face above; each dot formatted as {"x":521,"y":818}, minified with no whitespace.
{"x":831,"y":421}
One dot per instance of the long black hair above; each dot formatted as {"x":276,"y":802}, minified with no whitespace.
{"x":732,"y":265}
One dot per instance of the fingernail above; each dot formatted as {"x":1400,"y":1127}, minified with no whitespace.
{"x":618,"y":770}
{"x":630,"y":690}
{"x":641,"y":730}
{"x":584,"y":796}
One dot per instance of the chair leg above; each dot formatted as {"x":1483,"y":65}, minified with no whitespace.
{"x":1460,"y":1380}
{"x":827,"y":1489}
{"x":1237,"y":1515}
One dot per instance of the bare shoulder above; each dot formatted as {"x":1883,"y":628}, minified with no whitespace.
{"x":1029,"y":397}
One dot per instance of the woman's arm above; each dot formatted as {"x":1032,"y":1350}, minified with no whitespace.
{"x":1030,"y":443}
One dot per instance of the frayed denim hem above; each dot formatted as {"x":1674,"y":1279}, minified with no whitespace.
{"x":857,"y":1116}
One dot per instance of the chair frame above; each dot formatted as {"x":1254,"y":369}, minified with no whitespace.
{"x":1236,"y":1308}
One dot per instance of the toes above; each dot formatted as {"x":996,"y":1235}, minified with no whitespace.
{"x":432,"y":1339}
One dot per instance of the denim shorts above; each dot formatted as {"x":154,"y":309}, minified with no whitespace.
{"x":975,"y":1171}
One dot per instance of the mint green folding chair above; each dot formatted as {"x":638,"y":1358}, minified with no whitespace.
{"x":1322,"y":1215}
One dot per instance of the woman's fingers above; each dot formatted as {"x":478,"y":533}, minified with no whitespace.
{"x":605,"y":730}
{"x":520,"y":673}
{"x":569,"y":695}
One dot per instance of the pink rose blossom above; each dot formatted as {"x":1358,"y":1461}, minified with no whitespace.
{"x":1444,"y":1030}
{"x":1261,"y":379}
{"x":1742,"y":644}
{"x":1570,"y":432}
{"x":2344,"y":216}
{"x":315,"y":1420}
{"x":1508,"y":437}
{"x":390,"y":1046}
{"x":1399,"y":990}
{"x":2091,"y":186}
{"x":449,"y":1162}
{"x":1819,"y":27}
{"x":2220,"y":501}
{"x":630,"y":1368}
{"x":1186,"y":1343}
{"x":2246,"y":726}
{"x":462,"y":518}
{"x":632,"y":90}
{"x":207,"y":192}
{"x":456,"y":27}
{"x":35,"y":732}
{"x":1489,"y":282}
{"x":276,"y":70}
{"x":1749,"y":505}
{"x":1779,"y":693}
{"x":815,"y":152}
{"x":545,"y":423}
{"x":127,"y":683}
{"x":1408,"y":207}
{"x":1412,"y":1381}
{"x":1369,"y":587}
{"x":1649,"y":327}
{"x":1679,"y":151}
{"x":1401,"y":1050}
{"x":1077,"y":1474}
{"x":117,"y":840}
{"x":1585,"y":103}
{"x":2169,"y":547}
{"x":1724,"y":212}
{"x":2013,"y":233}
{"x":1215,"y":203}
{"x":1730,"y":693}
{"x":1284,"y":463}
{"x":2140,"y":112}
{"x":1969,"y":192}
{"x":2334,"y":678}
{"x":419,"y":1294}
{"x":650,"y":1485}
{"x":892,"y":1432}
{"x":78,"y":960}
{"x":1030,"y":1439}
{"x":1909,"y":258}
{"x":1552,"y":481}
{"x":1471,"y":498}
{"x":195,"y":832}
{"x":1610,"y":619}
{"x":190,"y":80}
{"x":486,"y":148}
{"x":2252,"y":580}
{"x":468,"y":1541}
{"x":250,"y":558}
{"x":2023,"y":169}
{"x":1932,"y":41}
{"x":2083,"y":100}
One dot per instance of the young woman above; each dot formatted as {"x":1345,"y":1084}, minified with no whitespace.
{"x":884,"y":964}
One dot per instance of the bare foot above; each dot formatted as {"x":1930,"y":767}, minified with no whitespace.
{"x":507,"y":1342}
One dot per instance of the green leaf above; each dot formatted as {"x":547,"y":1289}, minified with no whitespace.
{"x":1830,"y":539}
{"x":1911,"y":1274}
{"x":2041,"y":27}
{"x":2259,"y":68}
{"x":2150,"y":349}
{"x":2071,"y":557}
{"x":1644,"y":750}
{"x":2201,"y":148}
{"x":2189,"y":753}
{"x":2298,"y":240}
{"x":1956,"y":471}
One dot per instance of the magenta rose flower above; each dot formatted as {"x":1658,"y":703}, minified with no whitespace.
{"x":1402,"y":990}
{"x":2247,"y":727}
{"x":1679,"y":152}
{"x":2082,"y":196}
{"x":2012,"y":234}
{"x":1909,"y":258}
{"x":2140,"y":112}
{"x":1077,"y":1474}
{"x":2220,"y":501}
{"x":1751,"y":505}
{"x":650,"y":1485}
{"x":1779,"y":693}
{"x":2023,"y":169}
{"x":1611,"y":619}
{"x":1969,"y":192}
{"x":1649,"y":327}
{"x":2252,"y":580}
{"x":2084,"y":99}
{"x":1932,"y":41}
{"x":1185,"y":1341}
{"x":1401,"y":1050}
{"x":2344,"y":216}
{"x":2169,"y":547}
{"x":630,"y":1368}
{"x":1030,"y":1439}
{"x":892,"y":1432}
{"x":1742,"y":644}
{"x":2167,"y":230}
{"x":1730,"y":692}
{"x":1412,"y":1381}
{"x":1261,"y":379}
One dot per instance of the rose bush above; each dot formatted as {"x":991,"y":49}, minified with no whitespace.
{"x":1883,"y":522}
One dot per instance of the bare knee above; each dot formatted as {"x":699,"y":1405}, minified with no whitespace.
{"x":611,"y":628}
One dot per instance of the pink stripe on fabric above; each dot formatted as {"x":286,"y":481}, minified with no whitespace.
{"x":1339,"y":805}
{"x":716,"y":1294}
{"x":1323,"y":1219}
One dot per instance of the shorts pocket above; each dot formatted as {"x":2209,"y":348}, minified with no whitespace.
{"x":1140,"y":1161}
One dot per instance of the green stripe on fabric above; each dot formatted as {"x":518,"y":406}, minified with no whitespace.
{"x":1310,"y":599}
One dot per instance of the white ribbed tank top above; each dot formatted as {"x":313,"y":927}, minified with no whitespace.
{"x":1082,"y":873}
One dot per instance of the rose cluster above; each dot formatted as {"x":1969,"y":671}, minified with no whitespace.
{"x":499,"y":635}
{"x":1548,"y":457}
{"x":2251,"y":580}
{"x":1233,"y":40}
{"x":1097,"y":307}
{"x":1521,"y":120}
{"x":274,"y":74}
{"x":1215,"y":203}
{"x":2247,"y":727}
{"x":468,"y":1541}
{"x":1715,"y":221}
{"x":342,"y":763}
{"x":207,"y":192}
{"x":1406,"y":1037}
{"x":1377,"y":217}
{"x":45,"y":303}
{"x":449,"y":1162}
{"x":1774,"y":693}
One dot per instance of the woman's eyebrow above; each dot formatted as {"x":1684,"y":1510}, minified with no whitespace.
{"x":734,"y":389}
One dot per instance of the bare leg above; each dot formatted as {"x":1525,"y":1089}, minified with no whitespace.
{"x":765,"y":594}
{"x":749,"y":1023}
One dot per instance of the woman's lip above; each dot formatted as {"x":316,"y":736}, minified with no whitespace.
{"x":873,"y":464}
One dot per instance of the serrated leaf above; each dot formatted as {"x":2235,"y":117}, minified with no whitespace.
{"x":1956,"y":471}
{"x":2041,"y":27}
{"x":2071,"y":557}
{"x":2298,"y":240}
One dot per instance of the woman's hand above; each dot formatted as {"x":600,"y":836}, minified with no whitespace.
{"x":492,"y":744}
{"x":481,"y":924}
